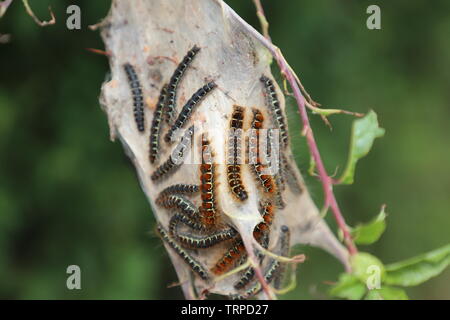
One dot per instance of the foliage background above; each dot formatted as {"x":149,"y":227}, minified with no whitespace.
{"x":70,"y":196}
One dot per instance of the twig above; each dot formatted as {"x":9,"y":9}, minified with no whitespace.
{"x":327,"y":183}
{"x":39,"y":22}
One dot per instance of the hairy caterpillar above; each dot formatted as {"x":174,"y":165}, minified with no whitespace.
{"x":234,"y":154}
{"x":176,"y":159}
{"x":175,"y":80}
{"x":138,"y":99}
{"x":185,"y":113}
{"x":274,"y":106}
{"x":193,"y":264}
{"x":156,"y":125}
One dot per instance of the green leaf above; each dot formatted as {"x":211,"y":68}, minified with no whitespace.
{"x":364,"y":132}
{"x":370,"y":232}
{"x":417,"y":270}
{"x":386,"y":293}
{"x":348,"y":287}
{"x":366,"y":266}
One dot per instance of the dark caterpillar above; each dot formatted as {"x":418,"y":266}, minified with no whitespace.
{"x":208,"y":210}
{"x":185,"y":113}
{"x":176,"y":159}
{"x":175,"y":80}
{"x":274,"y":106}
{"x":206,"y":241}
{"x":285,"y":246}
{"x":290,"y":176}
{"x":179,"y":202}
{"x":193,"y":264}
{"x":138,"y":99}
{"x":156,"y":125}
{"x":234,"y":154}
{"x":186,"y":220}
{"x":179,"y":188}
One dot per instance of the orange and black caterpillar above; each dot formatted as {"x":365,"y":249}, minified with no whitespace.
{"x":193,"y":264}
{"x":265,"y":180}
{"x":186,"y":112}
{"x":235,"y":154}
{"x":208,"y":210}
{"x":274,"y":106}
{"x":229,"y":259}
{"x":237,"y":250}
{"x":138,"y":98}
{"x":156,"y":125}
{"x":176,"y":159}
{"x":175,"y":80}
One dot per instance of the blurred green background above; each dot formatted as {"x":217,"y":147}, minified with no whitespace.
{"x":70,"y":196}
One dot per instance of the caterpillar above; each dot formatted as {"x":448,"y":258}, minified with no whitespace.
{"x":179,"y":202}
{"x":206,"y":241}
{"x":208,"y":210}
{"x":176,"y":159}
{"x":234,"y":159}
{"x":237,"y":250}
{"x":193,"y":264}
{"x":285,"y":245}
{"x":274,"y":105}
{"x":278,"y":195}
{"x":271,"y":272}
{"x":138,"y":99}
{"x":229,"y":258}
{"x":175,"y":80}
{"x":265,"y":180}
{"x":179,"y":188}
{"x":290,"y":176}
{"x":185,"y":113}
{"x":156,"y":125}
{"x":186,"y":220}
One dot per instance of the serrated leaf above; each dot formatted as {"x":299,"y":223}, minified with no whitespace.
{"x":364,"y":132}
{"x":370,"y":232}
{"x":348,"y":287}
{"x":417,"y":270}
{"x":365,"y":266}
{"x":386,"y":293}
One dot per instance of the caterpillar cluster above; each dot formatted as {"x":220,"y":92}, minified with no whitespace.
{"x":199,"y":224}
